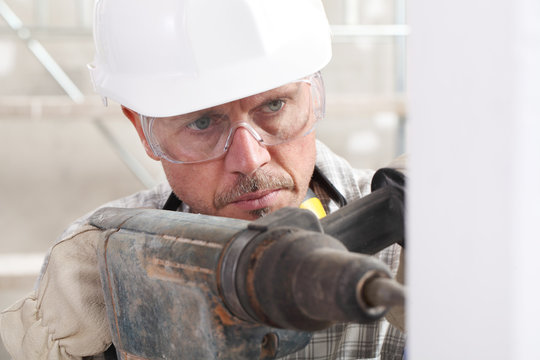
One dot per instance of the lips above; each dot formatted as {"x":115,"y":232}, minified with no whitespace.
{"x":256,"y":200}
{"x":257,"y":191}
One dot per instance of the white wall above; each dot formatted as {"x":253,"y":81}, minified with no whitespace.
{"x":474,"y":242}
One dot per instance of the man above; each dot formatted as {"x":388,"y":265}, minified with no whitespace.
{"x":226,"y":94}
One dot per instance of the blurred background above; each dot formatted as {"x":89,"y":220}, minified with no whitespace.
{"x":62,"y":153}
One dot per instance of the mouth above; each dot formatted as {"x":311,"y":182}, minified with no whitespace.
{"x":257,"y":194}
{"x":256,"y":200}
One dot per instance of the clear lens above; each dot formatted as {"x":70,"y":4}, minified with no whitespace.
{"x":273,"y":117}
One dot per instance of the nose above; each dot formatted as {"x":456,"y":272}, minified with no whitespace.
{"x":246,"y":153}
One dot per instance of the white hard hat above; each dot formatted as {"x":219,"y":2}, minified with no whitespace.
{"x":169,"y":57}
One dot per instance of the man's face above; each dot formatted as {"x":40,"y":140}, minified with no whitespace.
{"x":251,"y":179}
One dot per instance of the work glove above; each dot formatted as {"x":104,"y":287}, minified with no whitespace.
{"x":64,"y":317}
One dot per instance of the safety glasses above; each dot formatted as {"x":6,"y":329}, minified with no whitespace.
{"x":273,"y":117}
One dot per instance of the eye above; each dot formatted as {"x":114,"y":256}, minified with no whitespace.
{"x":201,"y":123}
{"x":274,"y":106}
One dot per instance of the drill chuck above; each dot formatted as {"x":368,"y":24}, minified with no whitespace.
{"x":294,"y":278}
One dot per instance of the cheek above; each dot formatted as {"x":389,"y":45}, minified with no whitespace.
{"x":193,"y":184}
{"x":303,"y":153}
{"x":298,"y":159}
{"x":307,"y":162}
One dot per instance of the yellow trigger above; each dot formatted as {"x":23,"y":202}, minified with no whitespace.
{"x":312,"y":203}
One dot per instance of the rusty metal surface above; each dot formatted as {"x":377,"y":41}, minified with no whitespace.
{"x":159,"y":278}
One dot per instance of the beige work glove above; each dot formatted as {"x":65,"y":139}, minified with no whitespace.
{"x":64,"y":317}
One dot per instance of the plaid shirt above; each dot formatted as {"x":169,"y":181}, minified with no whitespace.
{"x":376,"y":341}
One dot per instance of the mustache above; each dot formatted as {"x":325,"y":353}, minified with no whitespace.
{"x":258,"y":181}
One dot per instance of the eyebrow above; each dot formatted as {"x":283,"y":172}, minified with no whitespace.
{"x":257,"y":99}
{"x":280,"y":92}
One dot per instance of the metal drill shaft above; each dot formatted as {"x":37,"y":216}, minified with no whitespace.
{"x":381,"y":291}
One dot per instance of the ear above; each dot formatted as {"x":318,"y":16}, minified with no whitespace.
{"x":136,"y":121}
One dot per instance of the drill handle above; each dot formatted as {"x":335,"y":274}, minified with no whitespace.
{"x":369,"y":224}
